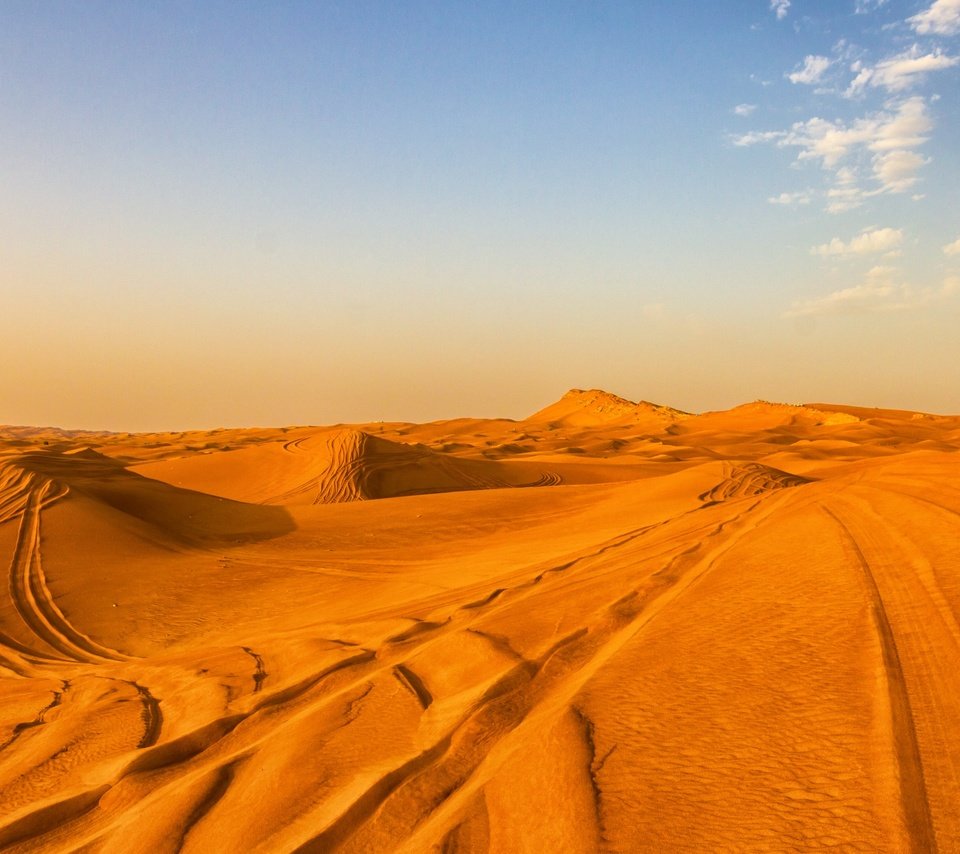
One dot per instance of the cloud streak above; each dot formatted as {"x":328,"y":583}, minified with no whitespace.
{"x":801,"y":197}
{"x":870,"y":242}
{"x":879,"y":292}
{"x":899,"y":73}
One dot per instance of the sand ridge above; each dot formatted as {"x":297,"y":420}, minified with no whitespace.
{"x":609,"y":626}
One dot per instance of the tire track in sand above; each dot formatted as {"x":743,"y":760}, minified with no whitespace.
{"x":411,"y":801}
{"x":913,"y":791}
{"x":29,"y":592}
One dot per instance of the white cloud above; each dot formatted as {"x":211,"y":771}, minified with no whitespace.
{"x":780,"y":7}
{"x":876,"y":147}
{"x":870,"y":242}
{"x":864,"y":7}
{"x":801,"y":197}
{"x":876,"y":290}
{"x":845,"y":198}
{"x":899,"y":72}
{"x":879,"y":292}
{"x":757,"y":136}
{"x":830,"y":142}
{"x":952,"y":248}
{"x":744,"y":109}
{"x":812,"y":70}
{"x":906,"y":128}
{"x":897,"y":170}
{"x":942,"y":18}
{"x":889,"y":135}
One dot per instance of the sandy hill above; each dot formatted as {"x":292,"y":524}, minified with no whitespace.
{"x":865,"y":412}
{"x":735,"y":631}
{"x":334,"y":466}
{"x":763,"y":415}
{"x":593,"y":407}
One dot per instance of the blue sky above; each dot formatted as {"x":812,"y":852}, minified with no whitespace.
{"x":238,"y":213}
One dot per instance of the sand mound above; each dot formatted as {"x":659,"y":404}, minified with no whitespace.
{"x":593,"y":407}
{"x":360,"y":467}
{"x":330,"y":467}
{"x":761,"y":415}
{"x":745,"y":479}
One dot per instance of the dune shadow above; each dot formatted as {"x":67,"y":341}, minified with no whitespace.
{"x":185,"y":515}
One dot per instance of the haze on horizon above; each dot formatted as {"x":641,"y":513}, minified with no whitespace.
{"x":233,"y":214}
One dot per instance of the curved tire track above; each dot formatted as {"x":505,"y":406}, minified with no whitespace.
{"x":29,"y":592}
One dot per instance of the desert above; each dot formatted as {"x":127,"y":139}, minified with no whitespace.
{"x":610,"y":626}
{"x":465,"y":427}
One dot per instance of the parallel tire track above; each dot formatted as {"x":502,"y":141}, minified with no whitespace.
{"x":417,"y":794}
{"x":32,"y":598}
{"x":913,"y":791}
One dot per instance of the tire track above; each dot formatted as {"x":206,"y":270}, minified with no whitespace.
{"x":15,"y":487}
{"x":748,"y":479}
{"x":913,"y":791}
{"x":481,"y":726}
{"x":548,"y":478}
{"x":32,"y":598}
{"x":427,"y":789}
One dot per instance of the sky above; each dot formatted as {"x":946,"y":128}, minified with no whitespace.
{"x":238,"y":213}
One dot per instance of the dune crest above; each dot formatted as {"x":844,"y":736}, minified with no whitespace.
{"x":594,"y":407}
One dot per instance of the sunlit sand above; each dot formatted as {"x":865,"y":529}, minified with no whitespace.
{"x":610,"y":626}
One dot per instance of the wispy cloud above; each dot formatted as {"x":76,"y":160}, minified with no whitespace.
{"x":952,"y":248}
{"x":744,"y":109}
{"x":876,"y":151}
{"x":900,"y":72}
{"x":897,"y":170}
{"x":878,"y":145}
{"x":869,"y":242}
{"x":755,"y":137}
{"x":942,"y":18}
{"x":780,"y":8}
{"x":880,"y":291}
{"x":801,"y":197}
{"x":811,"y":71}
{"x":902,"y":125}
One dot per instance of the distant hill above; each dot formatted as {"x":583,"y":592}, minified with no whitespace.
{"x":594,"y":407}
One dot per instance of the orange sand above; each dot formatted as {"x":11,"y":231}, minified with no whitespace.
{"x":612,"y":626}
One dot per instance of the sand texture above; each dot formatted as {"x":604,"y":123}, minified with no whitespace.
{"x":612,"y":626}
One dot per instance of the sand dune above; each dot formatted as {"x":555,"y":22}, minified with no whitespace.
{"x":331,"y":467}
{"x":593,"y":407}
{"x":610,"y":626}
